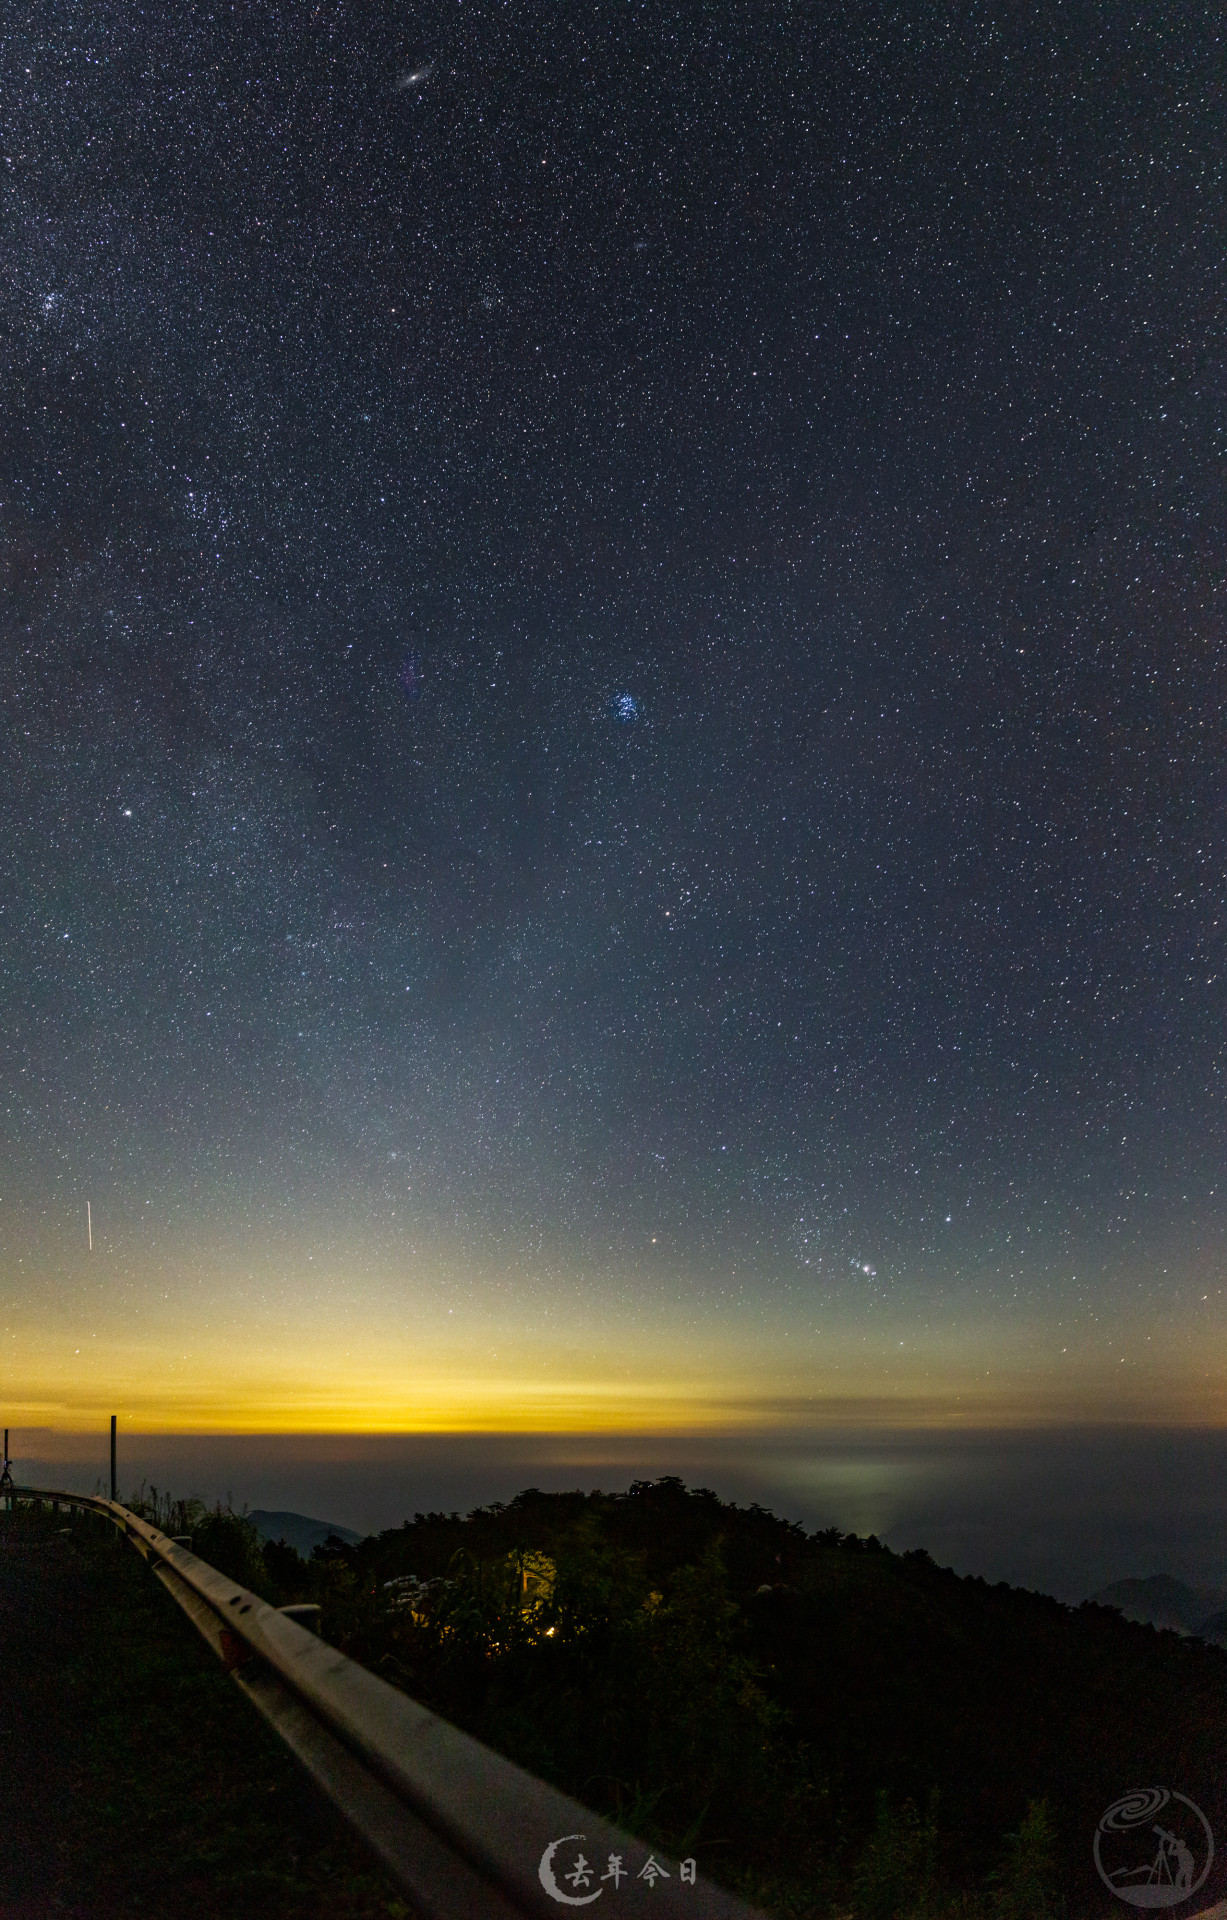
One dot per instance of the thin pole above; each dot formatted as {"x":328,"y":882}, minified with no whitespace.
{"x":89,"y":1226}
{"x":114,"y":1495}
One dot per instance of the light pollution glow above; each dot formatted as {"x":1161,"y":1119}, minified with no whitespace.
{"x":238,"y":1339}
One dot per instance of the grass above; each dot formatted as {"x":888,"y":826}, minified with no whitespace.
{"x":141,"y":1782}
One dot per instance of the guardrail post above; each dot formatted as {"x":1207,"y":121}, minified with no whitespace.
{"x":114,"y":1495}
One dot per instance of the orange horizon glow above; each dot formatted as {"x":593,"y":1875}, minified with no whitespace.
{"x":460,"y":1407}
{"x":232,"y":1339}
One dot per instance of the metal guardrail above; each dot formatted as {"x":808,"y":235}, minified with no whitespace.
{"x":469,"y":1835}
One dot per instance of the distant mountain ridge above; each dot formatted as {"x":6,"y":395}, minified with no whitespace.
{"x":299,"y":1530}
{"x":1163,"y":1601}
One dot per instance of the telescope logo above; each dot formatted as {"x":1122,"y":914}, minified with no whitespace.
{"x":1153,"y":1847}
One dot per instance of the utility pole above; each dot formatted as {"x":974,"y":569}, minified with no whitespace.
{"x":114,"y":1495}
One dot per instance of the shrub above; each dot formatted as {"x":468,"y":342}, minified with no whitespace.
{"x":1025,"y":1885}
{"x":897,"y":1874}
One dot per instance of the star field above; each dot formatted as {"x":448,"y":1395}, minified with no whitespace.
{"x":613,"y":700}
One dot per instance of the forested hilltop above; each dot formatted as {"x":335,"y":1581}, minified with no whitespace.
{"x":829,"y":1726}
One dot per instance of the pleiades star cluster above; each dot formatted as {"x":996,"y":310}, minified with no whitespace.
{"x":613,"y":680}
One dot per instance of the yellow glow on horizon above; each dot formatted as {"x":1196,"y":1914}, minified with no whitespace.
{"x":302,"y":1392}
{"x":225,"y":1344}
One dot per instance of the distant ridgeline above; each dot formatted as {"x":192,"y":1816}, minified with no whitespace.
{"x":300,"y":1532}
{"x":1161,"y":1601}
{"x":821,"y":1721}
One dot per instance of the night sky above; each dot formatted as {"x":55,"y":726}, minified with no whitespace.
{"x":612,"y":685}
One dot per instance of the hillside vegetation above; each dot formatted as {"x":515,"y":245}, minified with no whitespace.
{"x":828,"y":1725}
